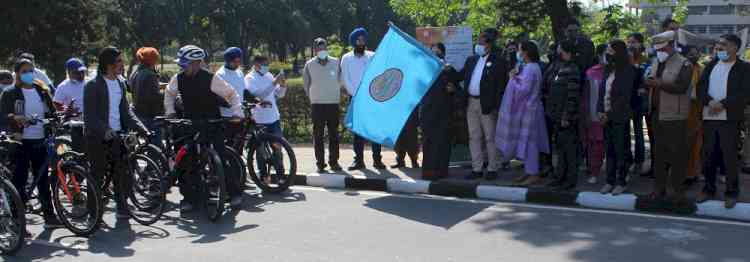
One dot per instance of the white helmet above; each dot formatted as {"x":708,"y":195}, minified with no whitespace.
{"x":190,"y":53}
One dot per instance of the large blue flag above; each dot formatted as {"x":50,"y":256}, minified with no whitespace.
{"x":399,"y":75}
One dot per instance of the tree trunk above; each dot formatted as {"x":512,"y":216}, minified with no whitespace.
{"x":559,"y":14}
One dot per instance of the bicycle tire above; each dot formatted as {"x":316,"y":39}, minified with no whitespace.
{"x":150,"y":188}
{"x":235,"y":159}
{"x":265,"y":140}
{"x":156,"y":154}
{"x":92,"y":199}
{"x":17,"y":211}
{"x":216,"y":179}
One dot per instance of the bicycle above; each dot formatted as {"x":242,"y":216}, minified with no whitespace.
{"x":75,"y":196}
{"x":12,"y":211}
{"x":206,"y":162}
{"x":142,"y":185}
{"x":265,"y":154}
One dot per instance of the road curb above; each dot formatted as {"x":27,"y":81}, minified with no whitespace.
{"x":469,"y":189}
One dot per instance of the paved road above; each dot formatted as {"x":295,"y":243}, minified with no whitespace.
{"x":312,"y":224}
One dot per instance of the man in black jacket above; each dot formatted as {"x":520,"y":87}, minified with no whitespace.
{"x":147,"y":99}
{"x":105,"y":112}
{"x":723,"y":90}
{"x":485,"y":76}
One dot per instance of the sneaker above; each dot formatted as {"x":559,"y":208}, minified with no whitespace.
{"x":335,"y":167}
{"x":356,"y":166}
{"x":474,"y":176}
{"x":592,"y":180}
{"x":618,"y":190}
{"x":52,"y":223}
{"x":185,"y":207}
{"x":606,"y":189}
{"x":236,"y":201}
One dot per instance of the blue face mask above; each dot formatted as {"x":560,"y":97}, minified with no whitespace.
{"x":27,"y":78}
{"x":722,"y":55}
{"x":519,"y":57}
{"x":480,"y":50}
{"x":263,"y":70}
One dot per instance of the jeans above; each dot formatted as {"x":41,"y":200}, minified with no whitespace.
{"x":34,"y":152}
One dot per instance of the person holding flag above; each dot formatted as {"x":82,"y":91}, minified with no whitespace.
{"x":353,"y":66}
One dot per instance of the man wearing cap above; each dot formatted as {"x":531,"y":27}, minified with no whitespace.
{"x":669,"y":82}
{"x":485,"y":76}
{"x":106,"y":111}
{"x":321,"y":82}
{"x":71,"y":89}
{"x":353,"y":66}
{"x":723,"y":91}
{"x":147,"y":98}
{"x":233,"y":75}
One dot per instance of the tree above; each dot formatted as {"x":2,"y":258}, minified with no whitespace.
{"x":36,"y":26}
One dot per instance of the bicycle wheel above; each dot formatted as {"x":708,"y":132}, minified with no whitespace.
{"x":144,"y":189}
{"x":275,"y":164}
{"x":212,"y":173}
{"x":12,"y":217}
{"x":235,"y":165}
{"x":156,"y":154}
{"x":77,"y":199}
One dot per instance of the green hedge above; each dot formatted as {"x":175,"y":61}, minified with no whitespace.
{"x":295,"y":114}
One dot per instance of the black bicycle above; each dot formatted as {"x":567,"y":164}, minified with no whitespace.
{"x":142,"y":184}
{"x":204,"y":160}
{"x":12,"y":210}
{"x":272,"y":164}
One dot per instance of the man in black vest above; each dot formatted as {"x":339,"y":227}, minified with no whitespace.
{"x":485,"y":76}
{"x":202,"y":94}
{"x":106,"y":111}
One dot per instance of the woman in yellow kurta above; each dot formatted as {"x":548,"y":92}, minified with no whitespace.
{"x":695,"y":128}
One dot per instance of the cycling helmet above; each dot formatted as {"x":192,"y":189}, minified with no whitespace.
{"x":190,"y":53}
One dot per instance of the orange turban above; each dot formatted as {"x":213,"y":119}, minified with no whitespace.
{"x":147,"y":55}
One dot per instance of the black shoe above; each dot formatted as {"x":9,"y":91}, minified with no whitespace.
{"x":506,"y":166}
{"x":335,"y":167}
{"x":474,"y":176}
{"x":554,"y":184}
{"x":568,"y":186}
{"x":491,"y":175}
{"x":356,"y":166}
{"x":399,"y":164}
{"x":689,"y":182}
{"x":322,"y":168}
{"x":379,"y":165}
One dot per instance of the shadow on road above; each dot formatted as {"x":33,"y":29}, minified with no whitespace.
{"x":445,"y":214}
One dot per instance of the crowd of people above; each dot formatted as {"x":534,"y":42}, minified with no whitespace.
{"x":579,"y":106}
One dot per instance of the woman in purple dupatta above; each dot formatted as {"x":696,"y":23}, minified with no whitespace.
{"x":521,"y":130}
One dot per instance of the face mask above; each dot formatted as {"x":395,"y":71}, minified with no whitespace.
{"x":519,"y":56}
{"x":263,"y":70}
{"x":323,"y":54}
{"x":662,"y":56}
{"x":722,"y":55}
{"x":479,"y":50}
{"x":27,"y":78}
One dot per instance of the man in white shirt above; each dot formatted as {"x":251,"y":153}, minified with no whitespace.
{"x":71,"y":90}
{"x":723,"y":90}
{"x":353,"y":66}
{"x":267,"y":88}
{"x":232,"y":73}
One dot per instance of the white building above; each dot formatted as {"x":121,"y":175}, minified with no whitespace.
{"x":708,"y":17}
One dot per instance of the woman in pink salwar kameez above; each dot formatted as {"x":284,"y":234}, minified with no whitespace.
{"x":521,"y":130}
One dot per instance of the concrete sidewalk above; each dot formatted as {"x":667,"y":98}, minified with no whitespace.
{"x":638,"y":185}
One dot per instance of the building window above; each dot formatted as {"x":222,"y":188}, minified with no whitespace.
{"x":721,"y":10}
{"x":698,"y":29}
{"x":697,"y":10}
{"x":721,"y":29}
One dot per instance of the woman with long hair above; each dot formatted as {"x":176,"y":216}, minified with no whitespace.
{"x":614,"y":112}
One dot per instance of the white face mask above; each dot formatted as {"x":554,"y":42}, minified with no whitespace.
{"x":662,"y":56}
{"x":480,"y":50}
{"x":323,"y":54}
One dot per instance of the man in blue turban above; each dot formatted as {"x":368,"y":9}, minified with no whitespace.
{"x":353,"y":66}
